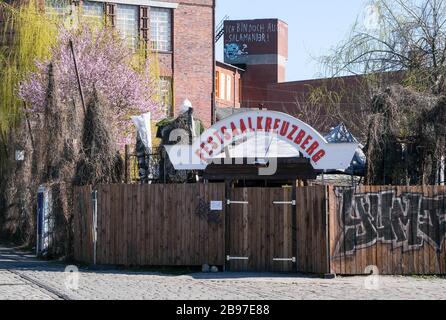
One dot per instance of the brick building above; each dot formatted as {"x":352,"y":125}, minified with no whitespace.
{"x":180,"y":32}
{"x":259,"y":50}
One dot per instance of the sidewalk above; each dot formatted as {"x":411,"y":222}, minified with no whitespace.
{"x":23,"y":277}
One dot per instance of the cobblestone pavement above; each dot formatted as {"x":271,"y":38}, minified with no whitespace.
{"x":22,"y":277}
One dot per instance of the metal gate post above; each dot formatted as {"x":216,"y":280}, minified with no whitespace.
{"x":294,"y":228}
{"x":39,"y":224}
{"x":227,"y":225}
{"x":327,"y":232}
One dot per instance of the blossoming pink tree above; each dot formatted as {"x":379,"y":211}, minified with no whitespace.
{"x":105,"y":63}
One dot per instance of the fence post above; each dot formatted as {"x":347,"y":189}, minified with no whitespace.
{"x":294,"y":228}
{"x":327,"y":231}
{"x":227,"y":226}
{"x":94,"y":196}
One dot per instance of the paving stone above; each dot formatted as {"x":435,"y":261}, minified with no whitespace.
{"x":124,"y":285}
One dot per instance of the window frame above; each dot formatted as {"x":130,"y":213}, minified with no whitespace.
{"x":131,"y":39}
{"x":223,"y":86}
{"x":170,"y":26}
{"x":99,"y":4}
{"x":240,"y":90}
{"x":228,"y":88}
{"x":169,"y":109}
{"x":217,"y":84}
{"x":56,"y":10}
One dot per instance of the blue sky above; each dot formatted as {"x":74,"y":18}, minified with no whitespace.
{"x":314,"y":27}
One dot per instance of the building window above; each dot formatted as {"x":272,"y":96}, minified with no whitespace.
{"x":161,"y":29}
{"x":110,"y":14}
{"x":217,"y":84}
{"x":228,"y":87}
{"x":59,"y":7}
{"x":127,"y":23}
{"x":240,"y":96}
{"x":93,"y":11}
{"x":222,"y":87}
{"x":165,"y":94}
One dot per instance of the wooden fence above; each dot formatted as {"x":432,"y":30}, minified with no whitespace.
{"x":83,"y":235}
{"x":153,"y":225}
{"x":173,"y":225}
{"x":398,"y":230}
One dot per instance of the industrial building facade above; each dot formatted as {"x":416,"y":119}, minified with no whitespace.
{"x":180,"y":33}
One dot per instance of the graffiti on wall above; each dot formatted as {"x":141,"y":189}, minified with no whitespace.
{"x":233,"y":51}
{"x":409,"y":221}
{"x":260,"y":32}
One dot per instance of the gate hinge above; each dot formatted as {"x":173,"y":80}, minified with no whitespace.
{"x":293,"y":259}
{"x":229,"y":202}
{"x":293,"y":203}
{"x":229,"y":258}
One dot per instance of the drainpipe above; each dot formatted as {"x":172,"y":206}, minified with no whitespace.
{"x":235,"y":91}
{"x":214,"y":67}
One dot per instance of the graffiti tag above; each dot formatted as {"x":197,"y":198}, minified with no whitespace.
{"x":234,"y":51}
{"x":408,"y":221}
{"x":251,"y":32}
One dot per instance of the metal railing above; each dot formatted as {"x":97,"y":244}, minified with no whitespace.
{"x":144,"y":169}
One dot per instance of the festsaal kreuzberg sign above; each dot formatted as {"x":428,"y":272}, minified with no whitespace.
{"x":310,"y":143}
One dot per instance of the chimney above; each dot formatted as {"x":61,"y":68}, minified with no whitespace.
{"x":261,"y":48}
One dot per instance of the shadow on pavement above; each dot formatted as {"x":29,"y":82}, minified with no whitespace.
{"x":14,"y":258}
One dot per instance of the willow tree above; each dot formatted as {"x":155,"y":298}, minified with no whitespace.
{"x":406,"y":41}
{"x":61,"y":146}
{"x":407,"y":36}
{"x":26,"y":35}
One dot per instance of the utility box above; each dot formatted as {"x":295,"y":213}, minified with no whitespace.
{"x":44,"y":221}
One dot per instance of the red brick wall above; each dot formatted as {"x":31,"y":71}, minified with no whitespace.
{"x":283,"y":96}
{"x":193,"y":50}
{"x":255,"y":82}
{"x":266,"y":48}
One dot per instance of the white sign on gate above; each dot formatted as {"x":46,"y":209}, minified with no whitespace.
{"x":216,"y":205}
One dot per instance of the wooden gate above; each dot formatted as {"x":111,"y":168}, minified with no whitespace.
{"x":261,"y":230}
